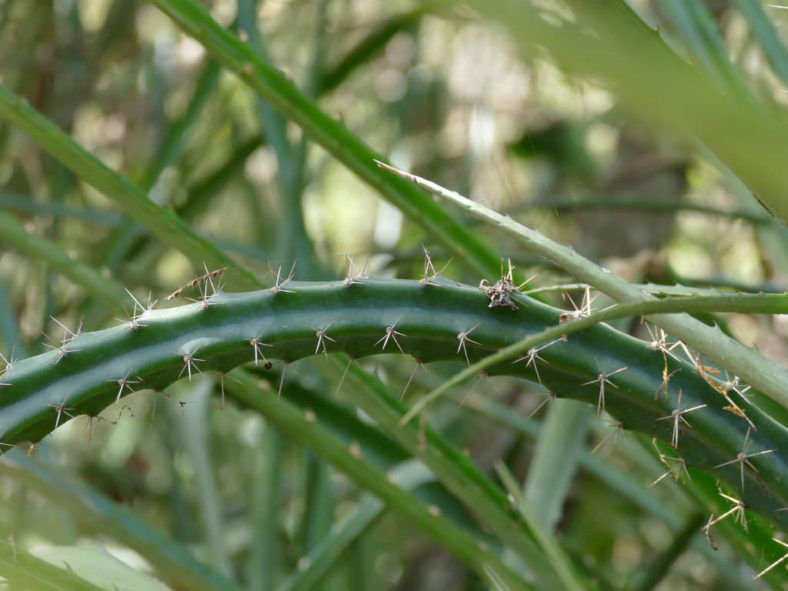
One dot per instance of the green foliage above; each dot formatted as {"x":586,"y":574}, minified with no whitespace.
{"x":333,"y":431}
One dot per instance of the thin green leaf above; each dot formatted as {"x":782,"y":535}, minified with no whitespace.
{"x":282,"y":95}
{"x":554,"y":461}
{"x":14,"y":233}
{"x":93,"y":511}
{"x":350,"y":528}
{"x":607,"y":41}
{"x":311,"y":434}
{"x":193,"y":435}
{"x":451,"y":467}
{"x":163,"y":223}
{"x":767,"y":35}
{"x":264,"y":552}
{"x":22,"y":570}
{"x":555,"y":554}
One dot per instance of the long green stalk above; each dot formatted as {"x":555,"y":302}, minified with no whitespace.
{"x":92,"y":371}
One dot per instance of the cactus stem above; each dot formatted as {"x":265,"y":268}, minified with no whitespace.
{"x":583,"y":311}
{"x":430,"y":274}
{"x":68,"y":336}
{"x":8,"y":362}
{"x":663,"y":387}
{"x":677,"y":467}
{"x":139,"y":310}
{"x":258,"y":352}
{"x":737,"y":511}
{"x":659,"y":342}
{"x":532,"y":356}
{"x":775,"y":563}
{"x":350,"y":268}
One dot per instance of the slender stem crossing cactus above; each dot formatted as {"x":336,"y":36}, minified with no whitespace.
{"x":638,"y":384}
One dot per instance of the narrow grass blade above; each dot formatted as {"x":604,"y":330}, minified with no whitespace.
{"x":608,"y":42}
{"x":367,"y":48}
{"x":766,"y":34}
{"x":651,"y":576}
{"x":554,"y":461}
{"x":452,"y":468}
{"x":559,"y":561}
{"x":311,"y":434}
{"x":192,"y":426}
{"x":22,"y":570}
{"x":325,"y":555}
{"x":14,"y":233}
{"x":264,"y":551}
{"x":698,"y":32}
{"x":163,"y":223}
{"x":93,"y":511}
{"x":331,"y":134}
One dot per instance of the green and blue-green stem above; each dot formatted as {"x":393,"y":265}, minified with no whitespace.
{"x":162,"y":346}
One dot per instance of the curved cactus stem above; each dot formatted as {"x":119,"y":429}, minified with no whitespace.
{"x":177,"y":343}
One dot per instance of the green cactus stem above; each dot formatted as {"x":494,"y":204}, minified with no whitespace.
{"x":431,"y":322}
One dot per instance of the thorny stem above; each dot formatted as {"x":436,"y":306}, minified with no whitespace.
{"x":322,"y":337}
{"x":563,"y":330}
{"x":218,"y":338}
{"x":258,"y":352}
{"x":189,"y":363}
{"x":676,"y":466}
{"x":350,"y":268}
{"x":430,"y":274}
{"x":124,"y":383}
{"x":762,"y":373}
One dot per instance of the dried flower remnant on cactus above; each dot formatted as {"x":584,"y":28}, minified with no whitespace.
{"x":500,"y":293}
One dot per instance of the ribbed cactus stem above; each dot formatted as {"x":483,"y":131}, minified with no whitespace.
{"x":430,"y":322}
